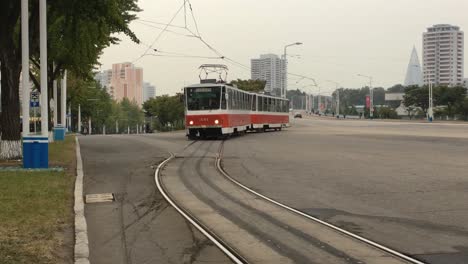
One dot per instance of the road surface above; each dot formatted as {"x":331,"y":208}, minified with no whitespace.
{"x":402,"y":184}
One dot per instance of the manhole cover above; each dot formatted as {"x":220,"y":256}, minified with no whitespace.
{"x":99,"y":198}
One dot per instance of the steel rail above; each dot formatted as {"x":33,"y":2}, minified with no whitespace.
{"x":338,"y":229}
{"x":228,"y":251}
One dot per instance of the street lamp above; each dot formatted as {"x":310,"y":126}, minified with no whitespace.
{"x":371,"y":90}
{"x":337,"y":97}
{"x":285,"y":58}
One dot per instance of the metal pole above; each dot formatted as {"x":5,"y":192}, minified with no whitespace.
{"x":116,"y":126}
{"x":55,"y":102}
{"x":63,"y":98}
{"x":431,"y":102}
{"x":69,"y":119}
{"x":371,"y":112}
{"x":103,"y":129}
{"x":285,"y":68}
{"x":128,"y":129}
{"x":89,"y":126}
{"x":25,"y":65}
{"x":79,"y":118}
{"x":43,"y":57}
{"x":337,"y":101}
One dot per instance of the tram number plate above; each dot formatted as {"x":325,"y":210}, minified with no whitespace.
{"x":205,"y":119}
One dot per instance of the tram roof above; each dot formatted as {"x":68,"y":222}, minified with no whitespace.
{"x":201,"y":85}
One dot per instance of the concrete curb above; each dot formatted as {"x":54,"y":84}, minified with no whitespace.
{"x":81,"y":229}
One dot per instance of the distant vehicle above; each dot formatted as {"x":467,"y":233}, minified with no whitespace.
{"x":297,"y":115}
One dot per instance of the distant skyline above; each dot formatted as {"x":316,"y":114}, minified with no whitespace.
{"x":341,"y":38}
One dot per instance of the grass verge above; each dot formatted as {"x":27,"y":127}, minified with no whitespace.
{"x":36,"y":210}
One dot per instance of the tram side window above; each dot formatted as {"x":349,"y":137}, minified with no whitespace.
{"x":265,"y":104}
{"x":223,"y":98}
{"x":254,"y":102}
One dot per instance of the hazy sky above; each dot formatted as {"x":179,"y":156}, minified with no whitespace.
{"x":341,"y":38}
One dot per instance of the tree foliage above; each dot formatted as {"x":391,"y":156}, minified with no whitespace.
{"x":167,"y":111}
{"x":255,"y":86}
{"x":78,"y":31}
{"x":447,"y":97}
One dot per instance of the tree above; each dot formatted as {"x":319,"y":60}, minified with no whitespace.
{"x":417,"y":97}
{"x":10,"y":60}
{"x":255,"y":86}
{"x":396,"y":89}
{"x":78,"y":31}
{"x":462,"y":108}
{"x":166,"y":110}
{"x":450,"y":97}
{"x":387,"y":113}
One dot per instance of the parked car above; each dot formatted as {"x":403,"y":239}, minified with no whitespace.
{"x":297,"y":115}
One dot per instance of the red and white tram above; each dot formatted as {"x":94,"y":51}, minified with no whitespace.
{"x":217,"y":109}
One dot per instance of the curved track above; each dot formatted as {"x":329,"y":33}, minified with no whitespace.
{"x":249,"y":227}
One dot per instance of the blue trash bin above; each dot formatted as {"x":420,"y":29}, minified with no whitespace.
{"x":59,"y":133}
{"x":35,"y":152}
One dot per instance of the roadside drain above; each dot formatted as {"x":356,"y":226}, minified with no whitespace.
{"x":99,"y":198}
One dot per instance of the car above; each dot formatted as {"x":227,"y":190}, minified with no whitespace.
{"x":297,"y":115}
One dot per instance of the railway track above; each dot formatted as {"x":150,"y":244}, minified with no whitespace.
{"x":232,"y":216}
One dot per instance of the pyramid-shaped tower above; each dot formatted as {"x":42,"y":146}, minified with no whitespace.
{"x":414,"y":73}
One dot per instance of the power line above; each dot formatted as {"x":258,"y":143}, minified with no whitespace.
{"x":162,"y":32}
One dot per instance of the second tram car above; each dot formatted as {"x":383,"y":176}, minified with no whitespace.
{"x":217,"y":109}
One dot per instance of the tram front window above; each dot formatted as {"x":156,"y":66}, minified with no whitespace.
{"x":203,"y":98}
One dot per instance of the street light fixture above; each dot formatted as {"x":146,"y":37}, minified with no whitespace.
{"x":371,"y":96}
{"x":285,"y":58}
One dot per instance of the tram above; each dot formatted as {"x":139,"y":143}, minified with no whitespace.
{"x":216,"y":109}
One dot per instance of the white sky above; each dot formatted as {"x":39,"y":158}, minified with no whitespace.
{"x":341,"y":38}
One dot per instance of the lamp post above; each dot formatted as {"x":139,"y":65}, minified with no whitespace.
{"x":285,"y":69}
{"x":371,"y":96}
{"x":430,"y":111}
{"x":337,"y":97}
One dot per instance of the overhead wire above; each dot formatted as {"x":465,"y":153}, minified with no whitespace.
{"x":162,"y":32}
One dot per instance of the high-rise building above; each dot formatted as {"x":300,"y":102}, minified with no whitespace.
{"x":269,"y":68}
{"x":104,"y":78}
{"x":414,"y":73}
{"x":126,"y":82}
{"x":443,"y":62}
{"x":149,"y":91}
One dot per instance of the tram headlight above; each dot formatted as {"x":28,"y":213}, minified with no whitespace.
{"x":216,"y":121}
{"x":191,"y":122}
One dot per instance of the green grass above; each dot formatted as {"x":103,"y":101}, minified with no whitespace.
{"x":35,"y":208}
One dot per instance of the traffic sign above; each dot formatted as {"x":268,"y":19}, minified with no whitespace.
{"x":34,"y":102}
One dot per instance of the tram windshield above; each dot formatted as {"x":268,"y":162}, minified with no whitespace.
{"x":203,"y":98}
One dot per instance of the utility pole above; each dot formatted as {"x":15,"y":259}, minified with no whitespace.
{"x":116,"y":126}
{"x":25,"y":66}
{"x":430,"y":111}
{"x":284,"y":83}
{"x":63,"y":98}
{"x":43,"y":57}
{"x":89,"y":126}
{"x":79,"y":118}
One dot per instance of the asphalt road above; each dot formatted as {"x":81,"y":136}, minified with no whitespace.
{"x":139,"y":227}
{"x":256,"y":229}
{"x":402,"y":184}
